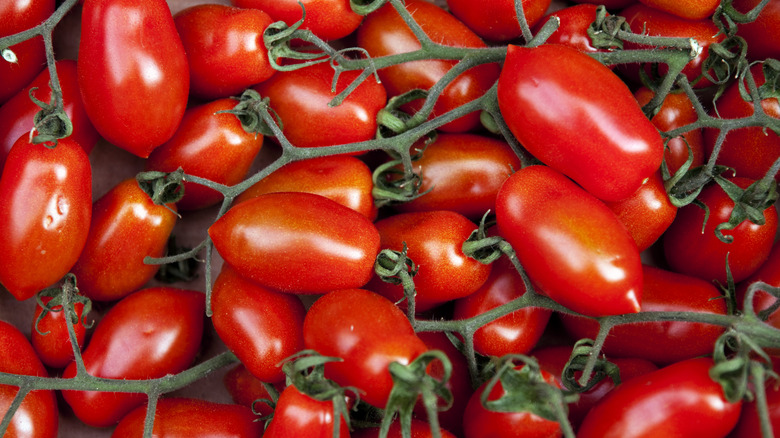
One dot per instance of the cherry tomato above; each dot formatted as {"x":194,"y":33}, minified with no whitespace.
{"x":572,"y":246}
{"x":329,"y":19}
{"x":606,"y":143}
{"x":133,"y":72}
{"x":45,"y":211}
{"x":690,"y":10}
{"x":297,"y":414}
{"x":760,"y":34}
{"x":573,"y":28}
{"x":420,"y":429}
{"x":245,"y":389}
{"x":496,"y":20}
{"x":49,"y":336}
{"x":148,"y":334}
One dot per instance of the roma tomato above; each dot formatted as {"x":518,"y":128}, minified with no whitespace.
{"x":690,"y":10}
{"x":420,"y":429}
{"x":16,"y":16}
{"x":209,"y":145}
{"x":329,"y":19}
{"x":573,"y":28}
{"x":148,"y":334}
{"x":572,"y":246}
{"x":245,"y":389}
{"x":49,"y":336}
{"x":606,"y":143}
{"x":297,"y":414}
{"x":262,"y":327}
{"x":384,"y":32}
{"x":45,"y":212}
{"x":769,"y":273}
{"x":749,"y":424}
{"x":297,"y":242}
{"x":133,"y":72}
{"x":224,"y":47}
{"x":760,"y":34}
{"x":496,"y":20}
{"x":609,"y":4}
{"x":683,"y":400}
{"x":126,"y":227}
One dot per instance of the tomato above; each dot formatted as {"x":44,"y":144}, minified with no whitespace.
{"x":420,"y":429}
{"x":246,"y":389}
{"x":262,"y":327}
{"x":300,"y":98}
{"x":434,"y":241}
{"x":760,"y":34}
{"x":224,"y":47}
{"x":609,"y":4}
{"x":49,"y":336}
{"x":19,"y":15}
{"x":690,"y":10}
{"x":45,"y":211}
{"x":384,"y":33}
{"x":37,"y":416}
{"x":571,"y":245}
{"x":496,"y":20}
{"x":662,"y":342}
{"x":209,"y":145}
{"x":573,"y":28}
{"x":126,"y":227}
{"x":329,"y":19}
{"x":342,"y":178}
{"x":769,"y":273}
{"x":678,"y":400}
{"x":607,"y":145}
{"x":297,"y":414}
{"x":17,"y":115}
{"x":346,"y":324}
{"x":174,"y":419}
{"x":148,"y":334}
{"x":135,"y":100}
{"x":297,"y":242}
{"x":749,"y":424}
{"x":693,"y":250}
{"x":515,"y":333}
{"x":462,"y":173}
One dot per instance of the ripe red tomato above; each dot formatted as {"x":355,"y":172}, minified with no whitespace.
{"x":262,"y":327}
{"x":573,"y":28}
{"x":609,"y":4}
{"x":45,"y":211}
{"x":760,"y":34}
{"x":690,"y":10}
{"x":297,"y":242}
{"x":749,"y":424}
{"x":209,"y":145}
{"x":146,"y":335}
{"x":126,"y":227}
{"x":224,"y":47}
{"x":678,"y":400}
{"x":297,"y":414}
{"x":606,"y":144}
{"x":329,"y":19}
{"x":384,"y":32}
{"x":19,"y":15}
{"x":245,"y":389}
{"x":572,"y":246}
{"x":496,"y":20}
{"x":49,"y":336}
{"x":420,"y":429}
{"x":133,"y":72}
{"x":769,"y":273}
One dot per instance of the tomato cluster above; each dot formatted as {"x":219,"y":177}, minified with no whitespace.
{"x":399,"y":218}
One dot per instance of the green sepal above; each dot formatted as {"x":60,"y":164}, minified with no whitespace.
{"x":685,"y":185}
{"x":481,"y":247}
{"x":749,"y":204}
{"x":392,"y":120}
{"x":604,"y":29}
{"x":392,"y":184}
{"x":51,"y":122}
{"x":162,"y":187}
{"x":390,"y":263}
{"x":250,"y":109}
{"x":582,"y":350}
{"x":58,"y":297}
{"x":365,"y":7}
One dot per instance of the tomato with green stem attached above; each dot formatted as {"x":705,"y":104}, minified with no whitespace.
{"x":329,"y":19}
{"x":497,"y":20}
{"x":297,"y":414}
{"x":49,"y":335}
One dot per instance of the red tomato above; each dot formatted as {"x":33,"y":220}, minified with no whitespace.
{"x":761,"y":33}
{"x":300,"y":98}
{"x":420,"y":429}
{"x":148,"y":334}
{"x":606,"y":143}
{"x":329,"y":19}
{"x":49,"y":336}
{"x":262,"y":327}
{"x":37,"y":416}
{"x":769,"y":273}
{"x":572,"y":246}
{"x":19,"y":15}
{"x":133,"y":72}
{"x":345,"y":324}
{"x":297,"y":414}
{"x":679,"y":400}
{"x":209,"y":145}
{"x":224,"y":47}
{"x":690,"y":10}
{"x":496,"y":20}
{"x":45,"y":211}
{"x":245,"y":389}
{"x":126,"y":227}
{"x":385,"y":33}
{"x":181,"y":417}
{"x":573,"y":28}
{"x":609,"y":4}
{"x":749,"y":425}
{"x":691,"y":250}
{"x":434,"y":241}
{"x":297,"y":242}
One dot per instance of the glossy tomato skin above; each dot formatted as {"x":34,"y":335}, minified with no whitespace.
{"x":297,"y":414}
{"x":297,"y":242}
{"x":329,"y":20}
{"x":347,"y":323}
{"x":192,"y":418}
{"x":50,"y":337}
{"x":609,"y":4}
{"x":245,"y":389}
{"x":420,"y":429}
{"x":224,"y":47}
{"x":261,"y":326}
{"x":126,"y":227}
{"x":37,"y":416}
{"x":573,"y":28}
{"x":17,"y":115}
{"x":300,"y":98}
{"x":535,"y":209}
{"x":691,"y":10}
{"x":140,"y":108}
{"x":148,"y":334}
{"x":209,"y":145}
{"x":693,"y":250}
{"x":769,"y":273}
{"x":662,"y":342}
{"x":620,"y":148}
{"x":45,"y":211}
{"x":384,"y":32}
{"x":434,"y":241}
{"x":760,"y":34}
{"x":496,"y":20}
{"x":749,"y":424}
{"x":682,"y":397}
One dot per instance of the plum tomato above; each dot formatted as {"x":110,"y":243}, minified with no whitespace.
{"x":573,"y":28}
{"x":760,"y":34}
{"x":690,"y":10}
{"x":245,"y":389}
{"x":496,"y":20}
{"x":327,"y":19}
{"x":50,"y":338}
{"x":297,"y":414}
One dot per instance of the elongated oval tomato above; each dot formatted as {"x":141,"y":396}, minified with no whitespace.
{"x":690,"y":10}
{"x":297,"y":414}
{"x":572,"y":246}
{"x":760,"y":34}
{"x":245,"y":389}
{"x":45,"y":211}
{"x":133,"y":72}
{"x":297,"y":242}
{"x":19,"y":15}
{"x":50,"y":337}
{"x":420,"y":429}
{"x":573,"y":28}
{"x":769,"y":273}
{"x":496,"y":20}
{"x":328,"y":19}
{"x":575,"y":115}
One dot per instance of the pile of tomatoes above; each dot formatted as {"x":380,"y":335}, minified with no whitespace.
{"x":389,"y":218}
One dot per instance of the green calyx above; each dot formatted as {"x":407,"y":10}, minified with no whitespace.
{"x":162,"y":187}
